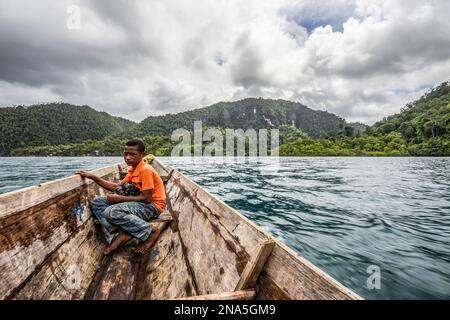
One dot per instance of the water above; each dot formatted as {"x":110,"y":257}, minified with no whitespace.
{"x":343,"y":214}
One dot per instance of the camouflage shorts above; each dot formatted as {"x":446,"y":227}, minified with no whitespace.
{"x":132,"y":217}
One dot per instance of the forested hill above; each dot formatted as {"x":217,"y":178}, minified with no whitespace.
{"x":55,"y":123}
{"x":61,"y":123}
{"x":245,"y":114}
{"x":421,"y":129}
{"x":424,"y":124}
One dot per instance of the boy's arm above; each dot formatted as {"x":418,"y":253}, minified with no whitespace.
{"x":108,"y":185}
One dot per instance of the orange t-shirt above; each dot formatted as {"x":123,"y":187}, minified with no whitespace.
{"x":146,"y":178}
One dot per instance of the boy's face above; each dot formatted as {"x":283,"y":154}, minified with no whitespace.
{"x":132,"y":155}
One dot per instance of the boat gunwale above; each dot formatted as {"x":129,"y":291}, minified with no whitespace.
{"x":295,"y":255}
{"x":16,"y":201}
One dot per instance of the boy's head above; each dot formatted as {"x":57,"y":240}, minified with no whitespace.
{"x":133,"y":152}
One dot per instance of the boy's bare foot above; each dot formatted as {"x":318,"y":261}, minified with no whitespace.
{"x":145,"y":246}
{"x":119,"y":240}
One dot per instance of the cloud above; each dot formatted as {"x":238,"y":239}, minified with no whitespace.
{"x":360,"y":59}
{"x":313,"y":14}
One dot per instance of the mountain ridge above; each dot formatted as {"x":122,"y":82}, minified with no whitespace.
{"x":63,"y":123}
{"x":255,"y":113}
{"x":422,"y":128}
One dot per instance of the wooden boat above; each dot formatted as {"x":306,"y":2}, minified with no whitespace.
{"x":50,"y":248}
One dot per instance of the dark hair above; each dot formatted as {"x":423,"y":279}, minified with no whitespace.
{"x":136,"y":143}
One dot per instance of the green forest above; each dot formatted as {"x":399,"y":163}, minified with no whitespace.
{"x":55,"y":124}
{"x":63,"y":129}
{"x":422,"y":128}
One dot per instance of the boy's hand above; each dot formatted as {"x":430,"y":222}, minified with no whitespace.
{"x":114,"y":198}
{"x":85,"y":174}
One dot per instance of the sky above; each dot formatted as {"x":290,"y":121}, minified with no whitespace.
{"x":360,"y":59}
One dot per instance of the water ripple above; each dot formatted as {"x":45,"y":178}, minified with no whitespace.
{"x":343,"y":214}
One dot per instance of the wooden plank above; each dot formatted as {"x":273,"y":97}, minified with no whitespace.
{"x":254,"y":266}
{"x":40,"y":240}
{"x":287,"y":275}
{"x":163,"y":217}
{"x":248,"y":294}
{"x":240,"y":226}
{"x":165,"y":178}
{"x":218,"y":243}
{"x":161,"y":168}
{"x":35,"y":222}
{"x":116,"y":277}
{"x":164,"y":273}
{"x":23,"y":199}
{"x":28,"y":237}
{"x":67,"y":272}
{"x":215,"y":257}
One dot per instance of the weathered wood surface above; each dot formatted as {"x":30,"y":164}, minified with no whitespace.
{"x":37,"y":221}
{"x":116,"y":276}
{"x":205,"y":223}
{"x":287,"y":275}
{"x":164,"y":273}
{"x":248,"y":294}
{"x":20,"y":200}
{"x":218,"y":243}
{"x":49,"y":249}
{"x":255,"y":265}
{"x":163,"y":217}
{"x":119,"y":275}
{"x":67,"y":273}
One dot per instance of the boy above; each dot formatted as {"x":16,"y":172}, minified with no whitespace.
{"x":129,"y":214}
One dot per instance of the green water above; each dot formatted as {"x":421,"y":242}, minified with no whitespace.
{"x":343,"y":214}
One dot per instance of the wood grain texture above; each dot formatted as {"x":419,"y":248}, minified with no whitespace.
{"x":67,"y":273}
{"x":248,"y":294}
{"x":116,"y":276}
{"x":163,"y":271}
{"x":217,"y":243}
{"x":163,"y":217}
{"x":286,"y":275}
{"x":254,"y":266}
{"x":20,"y":200}
{"x":30,"y":232}
{"x":50,"y":249}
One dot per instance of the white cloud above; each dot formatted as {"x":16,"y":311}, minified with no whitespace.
{"x":141,"y":58}
{"x":20,"y":94}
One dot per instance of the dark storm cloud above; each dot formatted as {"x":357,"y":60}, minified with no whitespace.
{"x":32,"y":56}
{"x":44,"y":51}
{"x":139,"y":58}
